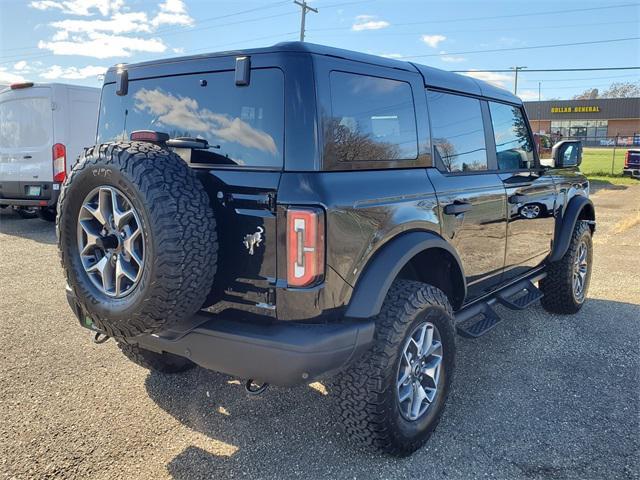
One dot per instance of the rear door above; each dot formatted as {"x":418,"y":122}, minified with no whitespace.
{"x":26,"y":134}
{"x":244,"y":127}
{"x":471,"y":197}
{"x":531,"y":192}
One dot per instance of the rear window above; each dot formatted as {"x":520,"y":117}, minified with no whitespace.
{"x":25,"y":122}
{"x":372,"y":118}
{"x":243,"y":125}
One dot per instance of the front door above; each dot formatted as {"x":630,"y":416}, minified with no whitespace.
{"x":471,"y":195}
{"x":531,"y":193}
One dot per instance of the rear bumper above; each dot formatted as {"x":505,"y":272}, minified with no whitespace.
{"x":15,"y":193}
{"x":279,"y":353}
{"x":632,"y":172}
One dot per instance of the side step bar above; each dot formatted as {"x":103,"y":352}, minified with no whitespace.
{"x":480,"y":317}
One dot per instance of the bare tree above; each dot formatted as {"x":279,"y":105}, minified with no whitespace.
{"x":615,"y":90}
{"x":622,"y":90}
{"x":589,"y":94}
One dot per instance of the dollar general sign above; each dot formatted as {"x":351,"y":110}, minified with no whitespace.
{"x":586,"y":109}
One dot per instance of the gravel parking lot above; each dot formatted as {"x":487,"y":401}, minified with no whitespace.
{"x":542,"y":396}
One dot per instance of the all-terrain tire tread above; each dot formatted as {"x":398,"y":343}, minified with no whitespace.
{"x":557,"y":286}
{"x":183,"y":225}
{"x":360,"y":389}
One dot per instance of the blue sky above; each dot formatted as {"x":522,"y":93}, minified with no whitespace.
{"x":74,"y":41}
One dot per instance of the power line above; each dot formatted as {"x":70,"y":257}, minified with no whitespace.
{"x":493,"y":17}
{"x":510,"y":49}
{"x":579,"y":79}
{"x":379,"y":33}
{"x":592,"y":69}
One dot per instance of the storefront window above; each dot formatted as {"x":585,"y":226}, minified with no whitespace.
{"x":586,"y":129}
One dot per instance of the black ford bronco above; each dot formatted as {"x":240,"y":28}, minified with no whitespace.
{"x":300,"y":212}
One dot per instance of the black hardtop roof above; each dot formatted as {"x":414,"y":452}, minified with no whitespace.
{"x":434,"y":77}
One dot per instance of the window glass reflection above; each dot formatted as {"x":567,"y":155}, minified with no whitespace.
{"x":243,"y":125}
{"x":457,"y":132}
{"x":514,"y":147}
{"x":372,"y":118}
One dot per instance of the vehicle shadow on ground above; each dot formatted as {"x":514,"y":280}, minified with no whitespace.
{"x":600,"y":184}
{"x":540,"y":395}
{"x":33,"y":228}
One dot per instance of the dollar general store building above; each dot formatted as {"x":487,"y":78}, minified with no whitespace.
{"x":596,"y":122}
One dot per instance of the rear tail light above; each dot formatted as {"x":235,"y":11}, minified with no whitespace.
{"x":305,"y":246}
{"x":626,"y":159}
{"x":149,"y":136}
{"x":59,"y":162}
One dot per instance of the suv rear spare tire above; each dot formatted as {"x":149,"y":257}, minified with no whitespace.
{"x":137,"y":238}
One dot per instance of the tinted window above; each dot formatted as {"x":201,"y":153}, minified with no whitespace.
{"x":25,"y":122}
{"x":371,"y":119}
{"x":457,"y":132}
{"x":243,"y":125}
{"x":514,"y":147}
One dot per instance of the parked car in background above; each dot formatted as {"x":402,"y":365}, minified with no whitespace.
{"x":632,"y":163}
{"x":43,"y":129}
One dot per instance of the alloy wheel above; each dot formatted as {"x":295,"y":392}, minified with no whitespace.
{"x":419,"y":371}
{"x":110,"y":241}
{"x":580,"y":269}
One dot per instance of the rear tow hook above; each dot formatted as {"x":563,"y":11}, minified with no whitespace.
{"x":100,"y":338}
{"x":255,"y":388}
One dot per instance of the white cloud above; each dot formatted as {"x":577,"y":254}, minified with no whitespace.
{"x":105,"y":46}
{"x":79,"y":7}
{"x":433,"y":40}
{"x":21,"y":65}
{"x":172,"y":12}
{"x":8,"y":77}
{"x":451,"y":58}
{"x":109,"y":36}
{"x":73,"y":73}
{"x":497,"y":79}
{"x":117,"y":24}
{"x":368,"y":22}
{"x":529,"y":95}
{"x":391,"y":55}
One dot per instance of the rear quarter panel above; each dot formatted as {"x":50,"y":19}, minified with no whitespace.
{"x":364,"y":210}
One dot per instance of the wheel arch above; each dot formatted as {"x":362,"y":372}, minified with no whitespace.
{"x":579,"y":208}
{"x":422,"y":256}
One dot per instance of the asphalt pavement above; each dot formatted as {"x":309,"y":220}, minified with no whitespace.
{"x":541,"y":396}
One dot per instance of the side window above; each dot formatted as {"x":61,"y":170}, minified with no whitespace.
{"x":514,"y":147}
{"x":372,"y":118}
{"x":457,"y":132}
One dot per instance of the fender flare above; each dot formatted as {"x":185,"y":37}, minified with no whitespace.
{"x":567,"y":223}
{"x":380,"y":272}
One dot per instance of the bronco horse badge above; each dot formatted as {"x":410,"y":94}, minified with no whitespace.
{"x":252,"y":240}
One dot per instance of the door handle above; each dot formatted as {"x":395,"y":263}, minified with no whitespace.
{"x":514,"y":199}
{"x":27,"y":156}
{"x":457,"y":208}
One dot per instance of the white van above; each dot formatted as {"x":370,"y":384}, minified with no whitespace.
{"x":43,"y":129}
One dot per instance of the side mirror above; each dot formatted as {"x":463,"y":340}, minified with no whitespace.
{"x":567,"y":153}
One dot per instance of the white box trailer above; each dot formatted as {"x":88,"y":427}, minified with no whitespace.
{"x":43,"y":129}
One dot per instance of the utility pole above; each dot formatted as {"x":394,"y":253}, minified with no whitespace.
{"x":539,"y":100}
{"x":515,"y":85}
{"x":305,"y":8}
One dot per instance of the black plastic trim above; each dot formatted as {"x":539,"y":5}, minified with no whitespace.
{"x":566,"y":224}
{"x":374,"y":283}
{"x":279,"y":353}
